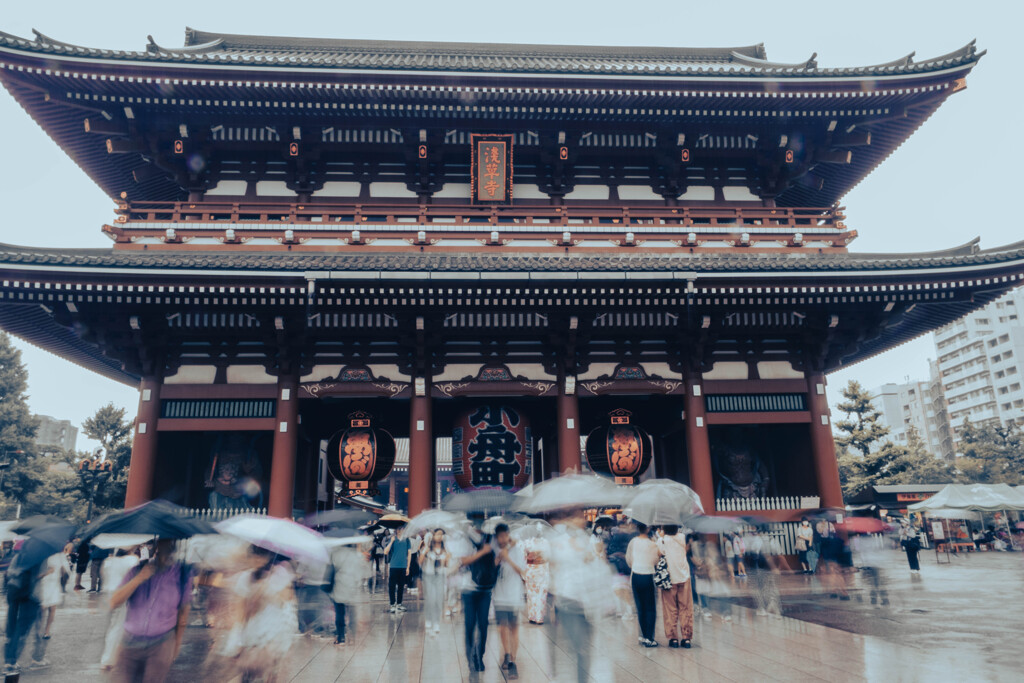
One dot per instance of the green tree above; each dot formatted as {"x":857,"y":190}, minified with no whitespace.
{"x":866,"y":458}
{"x":919,"y":466}
{"x":991,"y":454}
{"x":17,"y":427}
{"x":110,"y":427}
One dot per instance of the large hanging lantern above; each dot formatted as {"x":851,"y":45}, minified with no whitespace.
{"x":620,"y":448}
{"x":360,"y":455}
{"x":492,"y":447}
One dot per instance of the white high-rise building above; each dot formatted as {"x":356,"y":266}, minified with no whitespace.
{"x":981,"y":363}
{"x":917,"y":404}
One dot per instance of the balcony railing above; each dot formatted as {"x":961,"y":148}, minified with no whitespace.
{"x":423,"y":225}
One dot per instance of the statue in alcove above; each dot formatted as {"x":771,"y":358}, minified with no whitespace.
{"x":233,"y":473}
{"x":741,"y":472}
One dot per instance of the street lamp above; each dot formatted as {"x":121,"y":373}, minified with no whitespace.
{"x":94,"y":473}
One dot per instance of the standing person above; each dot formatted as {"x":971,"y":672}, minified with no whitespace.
{"x":22,"y":612}
{"x":81,"y":564}
{"x":641,"y":556}
{"x":615,"y":550}
{"x":265,"y":617}
{"x":762,"y":559}
{"x":398,"y":552}
{"x":804,"y":543}
{"x":677,"y":601}
{"x":114,"y":571}
{"x":158,"y":595}
{"x":911,"y":546}
{"x":537,"y":578}
{"x":412,"y":575}
{"x":97,"y":556}
{"x":433,"y":561}
{"x":508,"y":595}
{"x":352,"y":568}
{"x":476,"y":595}
{"x":739,"y":549}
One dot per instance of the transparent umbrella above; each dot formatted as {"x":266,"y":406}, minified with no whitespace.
{"x":572,"y":491}
{"x":664,"y":504}
{"x":280,"y":536}
{"x":434,"y":519}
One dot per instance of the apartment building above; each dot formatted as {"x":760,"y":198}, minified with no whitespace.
{"x":980,"y":363}
{"x":54,"y":434}
{"x":919,"y":404}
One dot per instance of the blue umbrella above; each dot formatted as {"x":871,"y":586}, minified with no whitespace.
{"x":42,"y":542}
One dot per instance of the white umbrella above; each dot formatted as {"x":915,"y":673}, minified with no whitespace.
{"x":433,"y":519}
{"x":110,"y":541}
{"x":571,"y":491}
{"x":664,"y":504}
{"x":281,"y":536}
{"x":532,"y":529}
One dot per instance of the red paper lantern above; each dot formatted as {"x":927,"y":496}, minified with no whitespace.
{"x":492,"y":447}
{"x":361,"y":455}
{"x":620,"y":448}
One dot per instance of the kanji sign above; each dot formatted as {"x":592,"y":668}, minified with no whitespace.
{"x":361,"y":455}
{"x":492,"y":168}
{"x":492,"y":447}
{"x":619,"y":448}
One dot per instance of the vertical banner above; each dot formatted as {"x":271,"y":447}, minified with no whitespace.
{"x":491,"y":176}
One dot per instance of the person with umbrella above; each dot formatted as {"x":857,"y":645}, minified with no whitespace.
{"x":434,"y":560}
{"x":157,"y":595}
{"x":476,"y":594}
{"x":27,"y":568}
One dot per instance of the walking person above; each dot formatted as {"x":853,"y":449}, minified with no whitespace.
{"x":762,"y":560}
{"x":433,"y":561}
{"x":476,"y":596}
{"x":641,"y":556}
{"x":49,"y":592}
{"x":97,"y":556}
{"x":677,"y":601}
{"x":81,"y":564}
{"x":508,"y":595}
{"x":350,"y":570}
{"x":157,"y":595}
{"x":23,"y":612}
{"x":398,"y":552}
{"x":537,"y":578}
{"x":804,"y":543}
{"x":114,"y":571}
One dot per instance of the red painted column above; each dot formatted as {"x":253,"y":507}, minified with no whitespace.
{"x":144,"y":442}
{"x":286,"y":442}
{"x":698,"y":446}
{"x":568,"y":416}
{"x":823,"y":447}
{"x":421,"y":449}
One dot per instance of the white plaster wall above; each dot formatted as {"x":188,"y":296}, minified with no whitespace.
{"x":193,"y":374}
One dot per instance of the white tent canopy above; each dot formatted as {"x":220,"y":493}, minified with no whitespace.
{"x":983,"y":497}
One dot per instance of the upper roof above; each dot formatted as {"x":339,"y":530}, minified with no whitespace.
{"x":203,"y":47}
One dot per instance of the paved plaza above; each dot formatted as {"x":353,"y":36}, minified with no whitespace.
{"x":950,"y":622}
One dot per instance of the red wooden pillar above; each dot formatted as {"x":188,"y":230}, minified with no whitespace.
{"x":698,"y":446}
{"x":421,"y":450}
{"x":568,"y":416}
{"x":286,"y":442}
{"x":143,"y":462}
{"x":823,"y":447}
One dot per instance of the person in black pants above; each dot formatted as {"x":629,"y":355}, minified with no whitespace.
{"x":641,"y":555}
{"x":397,"y":551}
{"x":476,"y":599}
{"x":912,"y":546}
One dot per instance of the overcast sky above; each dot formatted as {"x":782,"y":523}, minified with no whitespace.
{"x":948,"y":184}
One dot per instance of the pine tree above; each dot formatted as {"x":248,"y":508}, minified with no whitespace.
{"x":991,"y":454}
{"x":17,"y":425}
{"x":861,"y":429}
{"x":872,"y":461}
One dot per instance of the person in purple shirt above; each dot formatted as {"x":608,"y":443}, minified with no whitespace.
{"x":157,"y":593}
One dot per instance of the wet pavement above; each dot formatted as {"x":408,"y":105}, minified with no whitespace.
{"x":957,"y":620}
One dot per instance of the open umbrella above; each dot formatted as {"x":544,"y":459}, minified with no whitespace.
{"x":479,"y":500}
{"x":42,"y":541}
{"x":713,"y":524}
{"x":534,"y":528}
{"x":155,"y":518}
{"x":511,"y":520}
{"x":433,"y":519}
{"x":572,"y":491}
{"x":393,"y":520}
{"x":34,"y":522}
{"x":664,"y":504}
{"x":343,"y":517}
{"x":281,"y":536}
{"x":109,"y":541}
{"x":339,"y":536}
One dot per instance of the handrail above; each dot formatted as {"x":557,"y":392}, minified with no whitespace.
{"x":326,"y":213}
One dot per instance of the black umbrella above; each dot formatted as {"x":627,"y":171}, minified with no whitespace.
{"x":155,"y":518}
{"x":348,"y":518}
{"x":480,"y":500}
{"x":43,"y":541}
{"x":34,"y":522}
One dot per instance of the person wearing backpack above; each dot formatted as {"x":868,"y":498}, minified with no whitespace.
{"x":476,"y":596}
{"x":23,"y":611}
{"x":157,"y":593}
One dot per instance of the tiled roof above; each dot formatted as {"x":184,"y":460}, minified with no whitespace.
{"x":418,"y":264}
{"x":203,"y":47}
